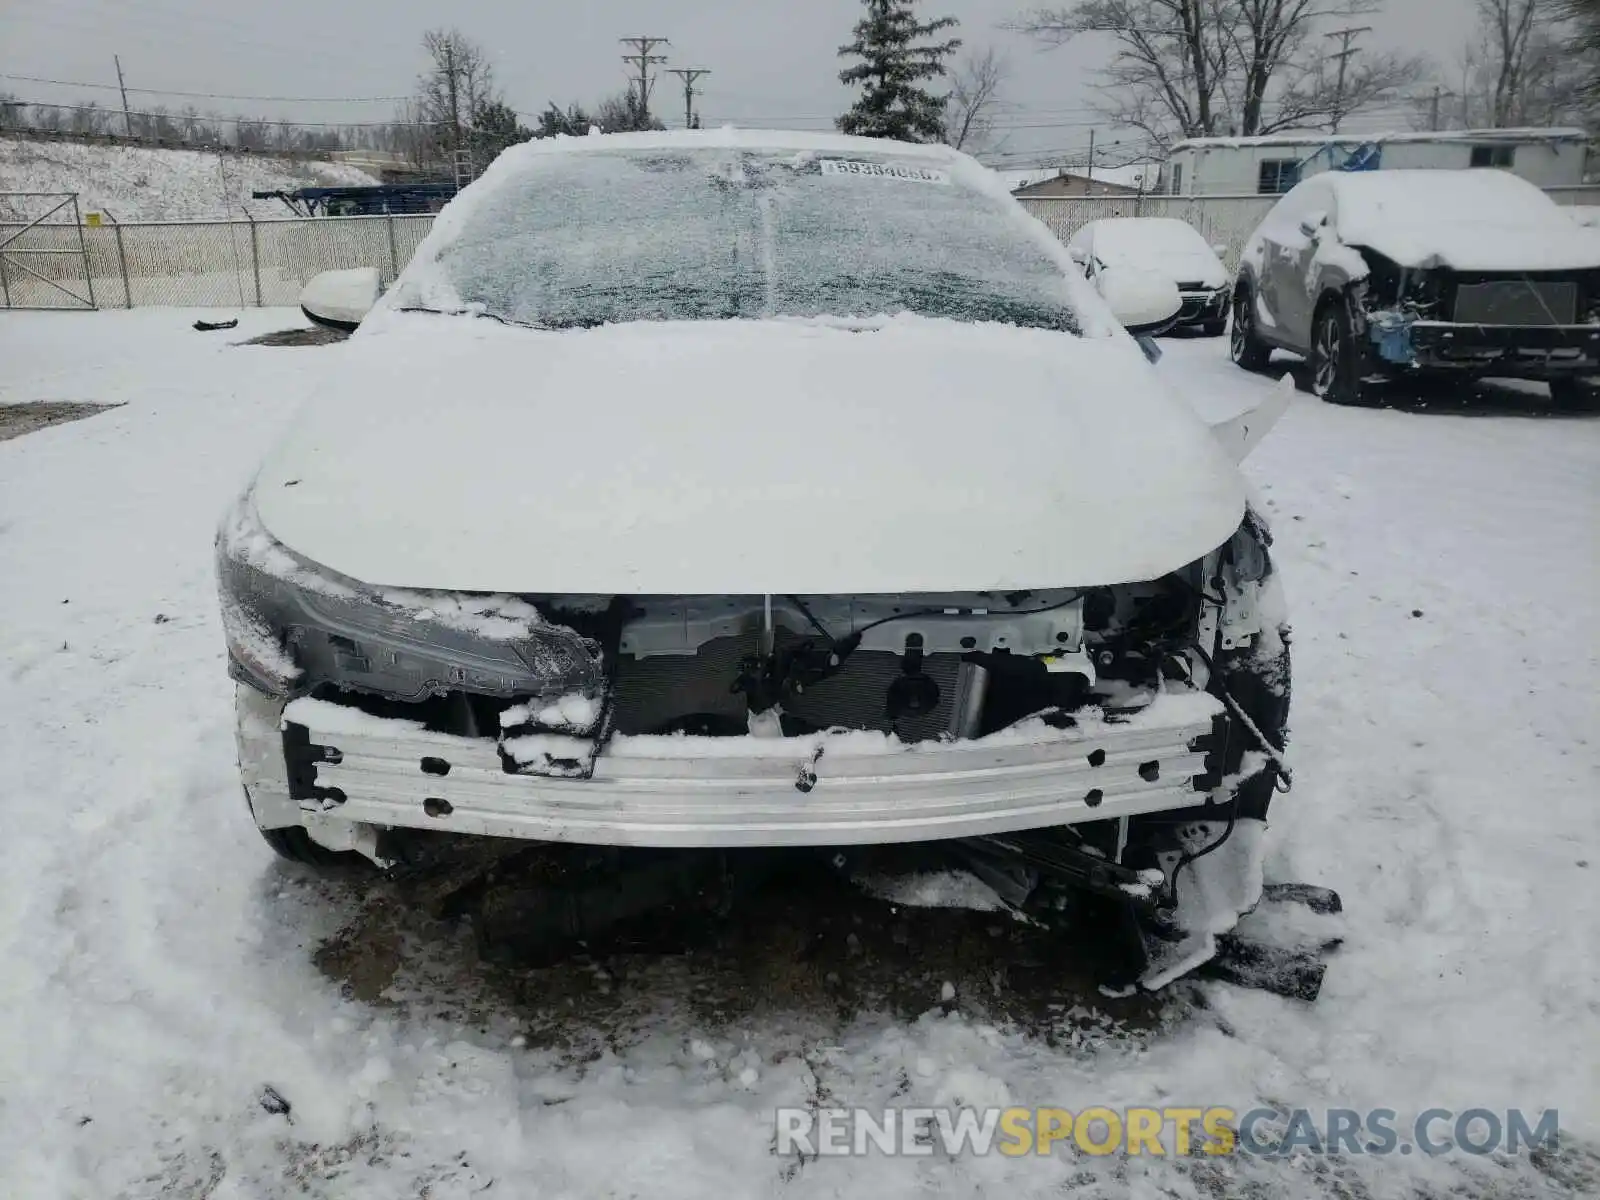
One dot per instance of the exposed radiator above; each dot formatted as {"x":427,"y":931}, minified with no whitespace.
{"x":1517,"y":302}
{"x":656,"y":691}
{"x":856,"y":696}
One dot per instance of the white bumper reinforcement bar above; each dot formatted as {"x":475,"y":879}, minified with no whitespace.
{"x":824,"y":789}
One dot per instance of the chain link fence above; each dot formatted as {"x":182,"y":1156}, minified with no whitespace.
{"x":226,"y":264}
{"x":43,"y":252}
{"x":207,"y":264}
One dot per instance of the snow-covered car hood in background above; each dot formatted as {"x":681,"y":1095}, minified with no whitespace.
{"x":1205,"y":269}
{"x":744,"y":457}
{"x":1190,"y":265}
{"x":1164,"y":244}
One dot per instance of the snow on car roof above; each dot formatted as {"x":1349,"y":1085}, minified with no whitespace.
{"x":523,"y":156}
{"x":731,"y":137}
{"x":1458,"y":191}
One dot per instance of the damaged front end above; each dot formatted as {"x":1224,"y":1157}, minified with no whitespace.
{"x":1119,"y":741}
{"x":1523,"y":325}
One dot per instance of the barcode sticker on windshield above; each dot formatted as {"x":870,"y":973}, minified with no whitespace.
{"x":912,"y":174}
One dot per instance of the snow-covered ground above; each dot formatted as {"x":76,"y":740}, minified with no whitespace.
{"x":160,"y":969}
{"x":141,"y":183}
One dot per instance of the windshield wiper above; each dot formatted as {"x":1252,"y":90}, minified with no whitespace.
{"x":544,"y":326}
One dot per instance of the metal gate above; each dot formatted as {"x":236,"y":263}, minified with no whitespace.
{"x":44,"y":260}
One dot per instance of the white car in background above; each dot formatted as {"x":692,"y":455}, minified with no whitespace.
{"x":1164,"y":246}
{"x":735,"y":489}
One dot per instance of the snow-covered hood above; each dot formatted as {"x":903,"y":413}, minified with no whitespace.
{"x":744,"y":457}
{"x":1556,"y":246}
{"x":1466,"y":220}
{"x":1198,"y":265}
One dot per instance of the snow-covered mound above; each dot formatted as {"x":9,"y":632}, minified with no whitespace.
{"x":139,"y":183}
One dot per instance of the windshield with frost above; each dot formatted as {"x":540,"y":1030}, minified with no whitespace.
{"x":595,"y":237}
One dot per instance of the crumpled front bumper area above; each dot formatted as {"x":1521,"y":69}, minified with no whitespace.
{"x":1516,"y":351}
{"x":343,"y":767}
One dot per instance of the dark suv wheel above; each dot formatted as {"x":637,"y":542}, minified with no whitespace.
{"x":1337,"y":361}
{"x":1244,"y":347}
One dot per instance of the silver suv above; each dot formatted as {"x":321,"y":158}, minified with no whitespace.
{"x":1380,"y":275}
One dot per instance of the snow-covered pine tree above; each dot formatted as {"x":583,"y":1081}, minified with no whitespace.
{"x":896,"y":57}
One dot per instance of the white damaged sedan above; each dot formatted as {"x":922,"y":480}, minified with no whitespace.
{"x":731,"y":489}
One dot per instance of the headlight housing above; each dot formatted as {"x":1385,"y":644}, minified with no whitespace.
{"x":291,"y":625}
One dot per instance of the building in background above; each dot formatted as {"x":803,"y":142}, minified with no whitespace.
{"x":1130,"y":180}
{"x":1274,"y":164}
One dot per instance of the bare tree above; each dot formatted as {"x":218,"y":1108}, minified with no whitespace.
{"x":413,"y":137}
{"x":1196,"y":68}
{"x":1283,"y":78}
{"x":1171,"y":56}
{"x":1528,"y":63}
{"x":625,"y":113}
{"x":974,"y":92}
{"x":1508,"y":27}
{"x":1315,"y":96}
{"x":1533,"y":64}
{"x":89,"y":119}
{"x":1584,"y":16}
{"x":458,"y":83}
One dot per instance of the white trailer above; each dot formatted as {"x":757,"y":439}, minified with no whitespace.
{"x":1272,"y":165}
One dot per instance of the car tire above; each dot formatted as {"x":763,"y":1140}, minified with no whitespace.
{"x":1245,"y":348}
{"x":1214,"y":328}
{"x":296,"y":845}
{"x":1336,"y":360}
{"x":1574,"y":395}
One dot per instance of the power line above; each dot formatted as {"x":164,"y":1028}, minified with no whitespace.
{"x":1003,"y":125}
{"x":111,"y":87}
{"x":217,"y":120}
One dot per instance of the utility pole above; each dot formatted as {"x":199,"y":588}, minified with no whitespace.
{"x":1345,"y":54}
{"x":689,"y":75}
{"x":455,"y":111}
{"x":644,"y":60}
{"x":127,"y":117}
{"x":461,"y":166}
{"x":1090,"y":189}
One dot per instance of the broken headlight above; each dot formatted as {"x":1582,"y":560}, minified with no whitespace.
{"x":291,"y":625}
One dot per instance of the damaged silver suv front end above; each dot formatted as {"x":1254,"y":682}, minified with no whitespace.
{"x":1126,"y":737}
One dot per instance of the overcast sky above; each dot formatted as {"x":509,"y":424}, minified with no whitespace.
{"x":773,"y":62}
